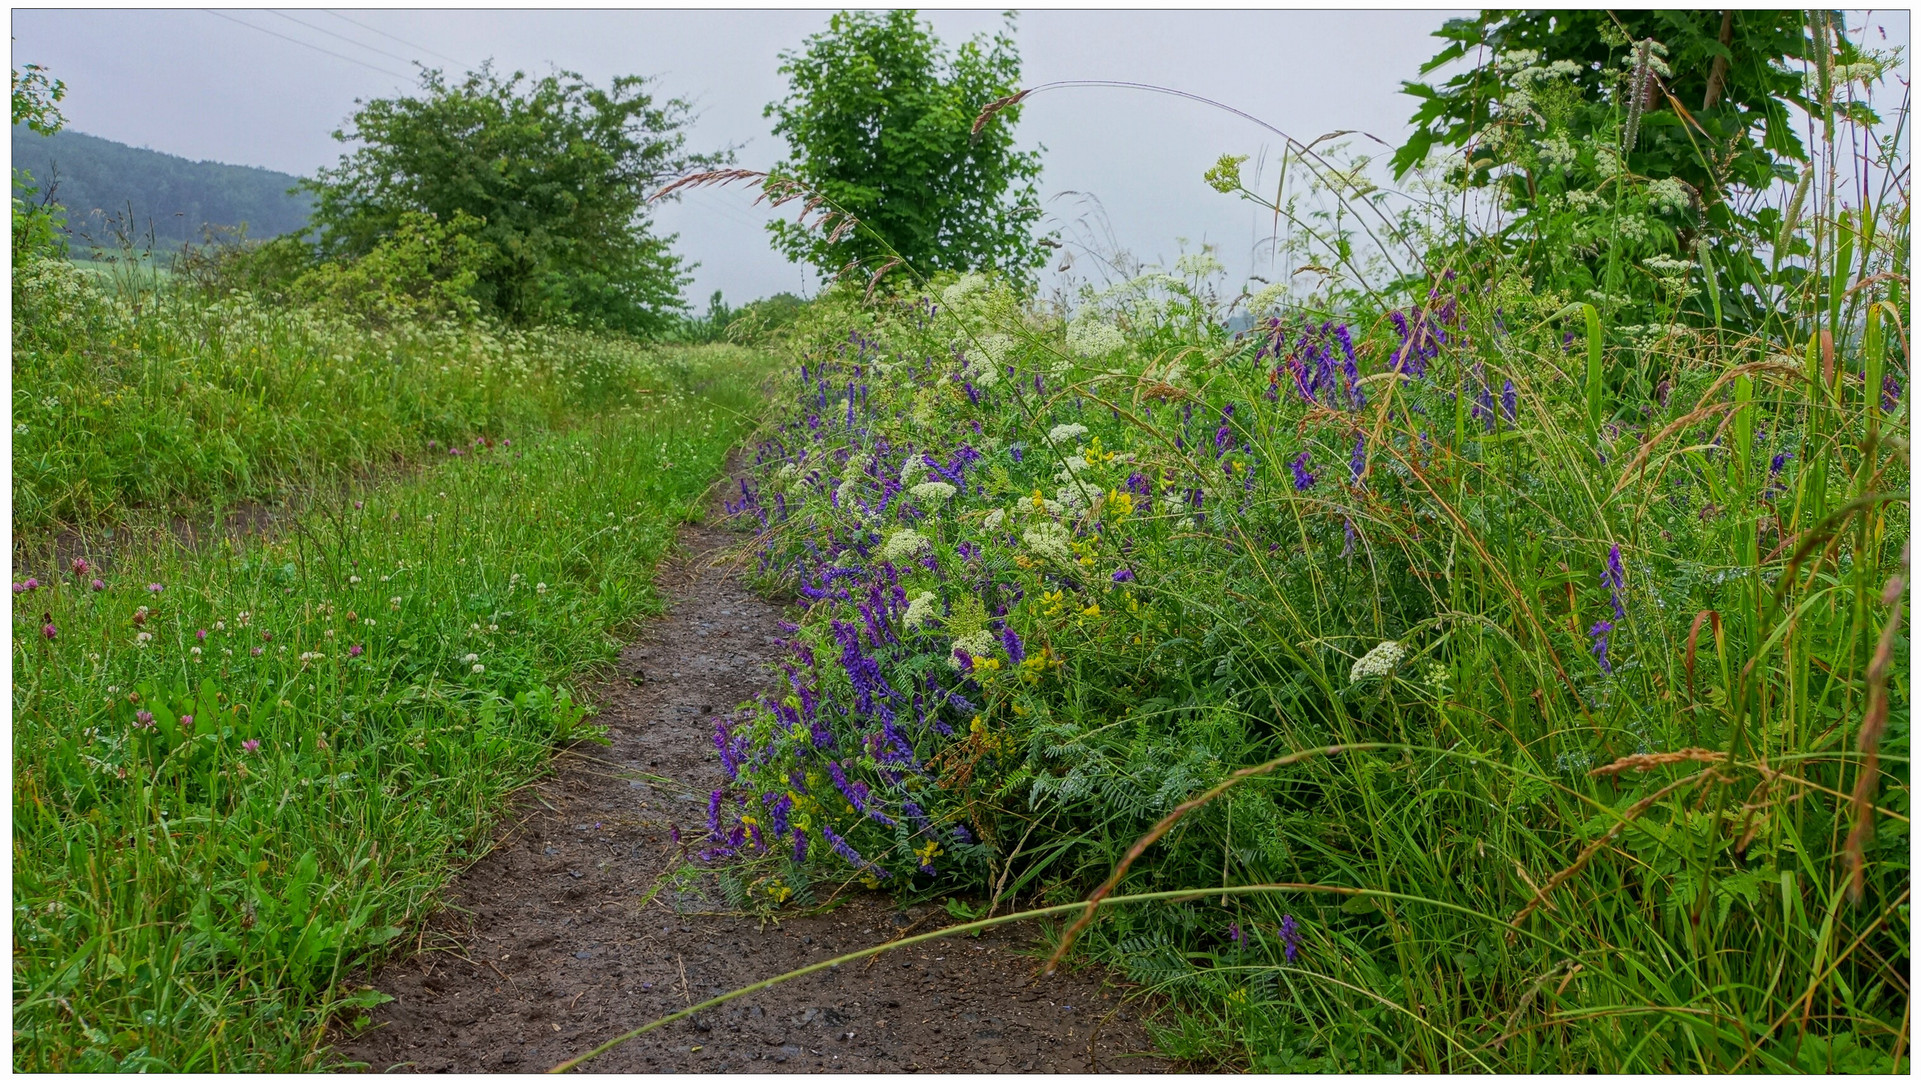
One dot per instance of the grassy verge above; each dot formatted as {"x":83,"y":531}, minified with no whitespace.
{"x":128,"y":396}
{"x":364,"y":688}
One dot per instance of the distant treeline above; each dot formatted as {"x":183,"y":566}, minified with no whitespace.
{"x":97,"y":180}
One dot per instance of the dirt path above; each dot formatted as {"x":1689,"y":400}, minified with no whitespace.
{"x":546,"y":948}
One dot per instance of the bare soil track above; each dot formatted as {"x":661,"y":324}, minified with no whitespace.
{"x":551,"y":944}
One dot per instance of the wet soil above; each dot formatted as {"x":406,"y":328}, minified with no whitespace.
{"x":569,"y":932}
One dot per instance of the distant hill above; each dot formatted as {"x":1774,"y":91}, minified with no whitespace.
{"x":94,"y":177}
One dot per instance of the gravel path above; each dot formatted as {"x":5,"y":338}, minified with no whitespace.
{"x":546,"y":948}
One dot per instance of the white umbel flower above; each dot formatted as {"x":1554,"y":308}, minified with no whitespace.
{"x":994,"y":519}
{"x":933,"y":491}
{"x":920,"y":611}
{"x":903,"y":545}
{"x":979,"y":643}
{"x":1049,"y":539}
{"x":1063,"y":433}
{"x":1381,"y":660}
{"x":910,"y":473}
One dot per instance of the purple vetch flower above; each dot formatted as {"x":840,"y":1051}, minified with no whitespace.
{"x":713,"y":813}
{"x":1012,"y":643}
{"x":1123,"y":574}
{"x":1780,"y":462}
{"x":1599,"y":632}
{"x":1358,"y":463}
{"x":845,"y":851}
{"x":1508,"y":400}
{"x":1290,"y":938}
{"x":1347,"y":530}
{"x":1303,"y":479}
{"x":1890,"y":392}
{"x":1614,"y":577}
{"x":1234,"y":932}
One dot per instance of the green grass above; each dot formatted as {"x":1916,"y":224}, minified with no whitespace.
{"x":403,"y":656}
{"x":130,"y":397}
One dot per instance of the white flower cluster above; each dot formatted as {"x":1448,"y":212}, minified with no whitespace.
{"x":1087,"y":335}
{"x":994,"y":519}
{"x":984,"y":364}
{"x":978,"y":643}
{"x":961,"y":291}
{"x":1062,"y":433}
{"x":902,"y":545}
{"x":910,"y":472}
{"x":933,"y":491}
{"x":1670,"y":194}
{"x":1049,"y":539}
{"x":920,"y":611}
{"x":1381,"y":660}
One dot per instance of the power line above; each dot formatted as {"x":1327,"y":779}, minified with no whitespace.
{"x":310,"y":45}
{"x":343,"y":37}
{"x":403,"y":41}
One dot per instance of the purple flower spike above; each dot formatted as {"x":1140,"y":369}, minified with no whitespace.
{"x":1123,"y":574}
{"x":1291,"y":937}
{"x":1303,"y":479}
{"x":1599,"y":632}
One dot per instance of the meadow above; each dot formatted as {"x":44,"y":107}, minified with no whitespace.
{"x":243,"y":765}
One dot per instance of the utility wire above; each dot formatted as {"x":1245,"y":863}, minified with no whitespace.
{"x":343,"y":37}
{"x":310,"y":45}
{"x":391,"y":37}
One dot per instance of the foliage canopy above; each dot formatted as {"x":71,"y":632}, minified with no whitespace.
{"x":554,"y":174}
{"x":878,"y":118}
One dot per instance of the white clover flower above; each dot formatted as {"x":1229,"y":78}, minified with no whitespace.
{"x":480,"y":669}
{"x":353,"y":579}
{"x":539,"y":587}
{"x":1381,"y":660}
{"x":933,"y":491}
{"x":903,"y":545}
{"x":470,"y":658}
{"x":912,"y":468}
{"x":994,"y":519}
{"x":978,"y":643}
{"x":1062,"y":433}
{"x":1048,"y":539}
{"x":920,"y":611}
{"x":394,"y":602}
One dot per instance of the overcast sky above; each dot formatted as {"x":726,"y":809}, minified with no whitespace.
{"x":254,"y":87}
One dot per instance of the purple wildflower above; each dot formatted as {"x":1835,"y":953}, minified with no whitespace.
{"x":251,"y":746}
{"x":1358,"y":463}
{"x":50,"y":631}
{"x":1012,"y":643}
{"x":1599,"y":632}
{"x":143,"y":720}
{"x":1508,"y":400}
{"x":1290,"y":937}
{"x":1303,"y":479}
{"x":1123,"y":574}
{"x":98,"y":585}
{"x":1614,"y":577}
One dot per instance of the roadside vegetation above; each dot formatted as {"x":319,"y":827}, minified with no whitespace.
{"x":1501,"y":645}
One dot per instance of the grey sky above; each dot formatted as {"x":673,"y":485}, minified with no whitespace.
{"x":203,"y":85}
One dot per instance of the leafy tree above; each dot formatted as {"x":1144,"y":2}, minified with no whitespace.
{"x":879,"y":119}
{"x":556,"y":172}
{"x":36,"y":225}
{"x":1625,"y":138}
